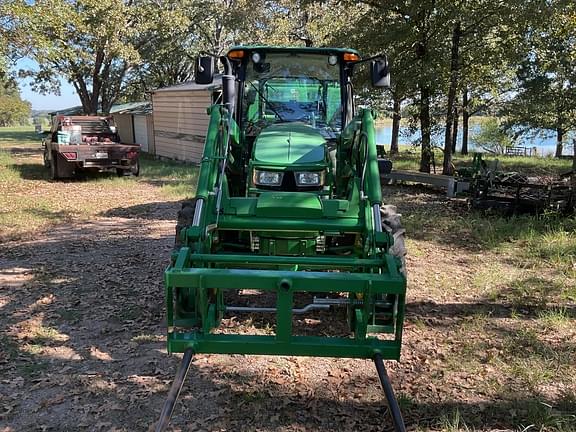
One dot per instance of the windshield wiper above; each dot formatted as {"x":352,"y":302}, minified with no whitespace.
{"x":268,"y":104}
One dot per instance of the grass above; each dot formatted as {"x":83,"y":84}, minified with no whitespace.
{"x":20,"y":136}
{"x":41,"y":335}
{"x":176,"y":180}
{"x":503,"y":318}
{"x":527,"y":261}
{"x":453,"y":422}
{"x":29,"y":201}
{"x":146,"y":338}
{"x":542,"y":417}
{"x":555,"y":318}
{"x":409,"y":159}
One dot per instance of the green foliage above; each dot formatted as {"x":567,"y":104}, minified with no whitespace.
{"x":13,"y":110}
{"x":88,"y":42}
{"x":418,"y":38}
{"x":492,"y":136}
{"x":179,"y":30}
{"x":546,"y":72}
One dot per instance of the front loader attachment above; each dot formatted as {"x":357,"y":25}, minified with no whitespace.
{"x":362,"y":285}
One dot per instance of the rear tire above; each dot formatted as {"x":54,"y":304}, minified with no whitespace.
{"x":135,"y":169}
{"x":60,"y":168}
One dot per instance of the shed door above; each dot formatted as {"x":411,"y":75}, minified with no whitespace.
{"x":141,"y":132}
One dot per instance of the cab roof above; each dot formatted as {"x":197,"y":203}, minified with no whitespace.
{"x":295,"y":49}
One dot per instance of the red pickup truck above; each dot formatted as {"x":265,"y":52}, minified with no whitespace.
{"x":87,"y":143}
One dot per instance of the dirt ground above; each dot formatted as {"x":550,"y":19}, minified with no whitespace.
{"x":82,"y":335}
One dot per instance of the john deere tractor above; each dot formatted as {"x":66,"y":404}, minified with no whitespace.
{"x":288,"y":208}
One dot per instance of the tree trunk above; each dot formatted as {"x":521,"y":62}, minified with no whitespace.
{"x":97,"y":81}
{"x":425,"y":126}
{"x":559,"y":141}
{"x":447,"y":163}
{"x":455,"y":129}
{"x":83,"y":95}
{"x":396,"y":117}
{"x":465,"y":120}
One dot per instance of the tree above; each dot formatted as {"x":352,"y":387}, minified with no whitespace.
{"x":412,"y":35}
{"x":167,"y":52}
{"x":546,"y":94}
{"x":13,"y":110}
{"x":492,"y":137}
{"x":481,"y":41}
{"x":88,"y":42}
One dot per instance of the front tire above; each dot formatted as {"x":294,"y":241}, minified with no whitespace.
{"x":185,"y":302}
{"x":185,"y":218}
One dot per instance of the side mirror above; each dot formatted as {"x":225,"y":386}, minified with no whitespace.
{"x":380,"y":73}
{"x":205,"y":66}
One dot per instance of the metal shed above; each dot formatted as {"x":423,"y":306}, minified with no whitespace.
{"x":181,"y":120}
{"x":135,"y":119}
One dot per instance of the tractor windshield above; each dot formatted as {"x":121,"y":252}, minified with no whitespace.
{"x":293,"y":87}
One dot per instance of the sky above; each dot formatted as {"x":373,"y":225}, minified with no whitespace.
{"x":68,"y":97}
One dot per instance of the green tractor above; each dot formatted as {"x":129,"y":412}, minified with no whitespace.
{"x":289,"y":206}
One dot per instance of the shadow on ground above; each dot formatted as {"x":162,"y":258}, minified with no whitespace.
{"x":156,"y":210}
{"x":9,"y":136}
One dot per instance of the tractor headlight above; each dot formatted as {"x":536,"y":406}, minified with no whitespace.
{"x":267,"y":178}
{"x":309,"y":178}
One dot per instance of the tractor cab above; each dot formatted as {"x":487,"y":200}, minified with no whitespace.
{"x":291,"y":105}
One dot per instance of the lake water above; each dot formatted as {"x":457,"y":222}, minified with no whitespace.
{"x":545,"y":142}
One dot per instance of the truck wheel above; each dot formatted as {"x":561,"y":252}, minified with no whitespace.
{"x":391,"y":223}
{"x":59,"y":168}
{"x":135,"y":169}
{"x":54,"y":171}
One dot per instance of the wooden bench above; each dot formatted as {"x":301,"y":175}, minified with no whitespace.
{"x":437,"y":180}
{"x":518,"y":151}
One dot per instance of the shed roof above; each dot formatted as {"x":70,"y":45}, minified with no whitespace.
{"x":135,"y":108}
{"x":192,"y":86}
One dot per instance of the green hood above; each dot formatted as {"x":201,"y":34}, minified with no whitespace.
{"x":288,"y":144}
